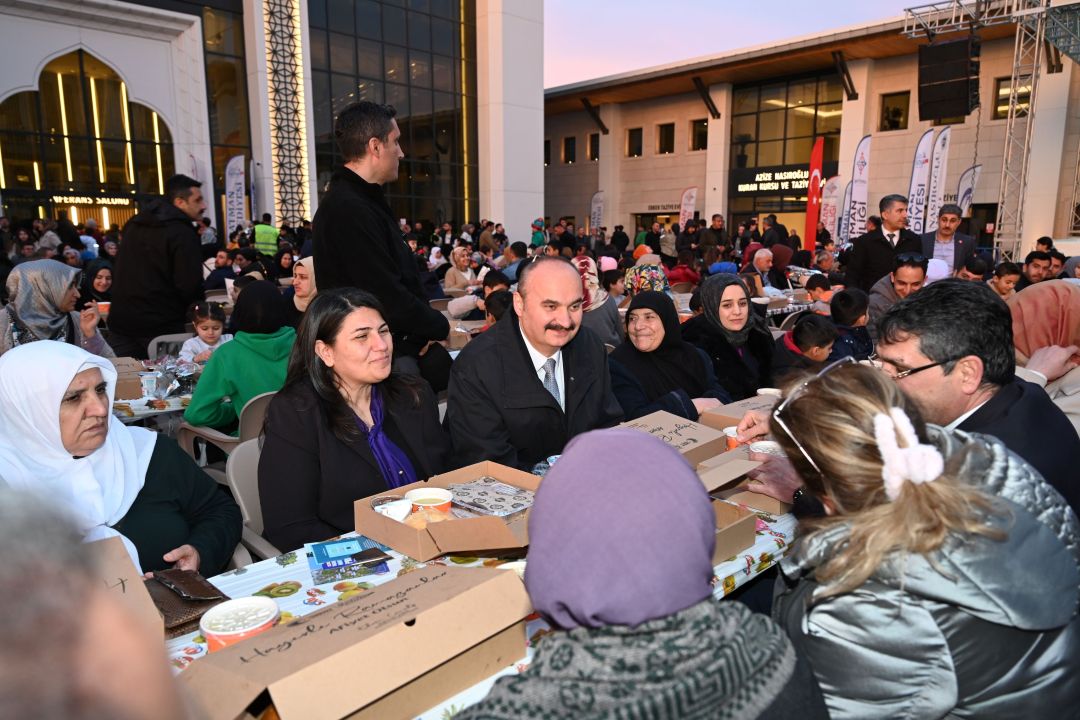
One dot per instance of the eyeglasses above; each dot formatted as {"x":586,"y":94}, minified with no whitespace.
{"x":794,"y":394}
{"x":883,"y":365}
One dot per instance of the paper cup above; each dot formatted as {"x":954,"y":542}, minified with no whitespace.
{"x":430,"y":498}
{"x":775,"y":392}
{"x":732,"y":439}
{"x":103,"y":308}
{"x":767,"y":447}
{"x":148,"y":381}
{"x":235,"y":620}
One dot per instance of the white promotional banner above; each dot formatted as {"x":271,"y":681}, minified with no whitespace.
{"x":596,"y":209}
{"x":845,"y":214}
{"x":860,"y":185}
{"x":687,"y":205}
{"x":234,"y":194}
{"x":830,"y":204}
{"x":965,"y":189}
{"x":939,"y":166}
{"x":920,"y":178}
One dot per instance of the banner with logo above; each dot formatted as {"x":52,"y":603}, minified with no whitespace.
{"x":813,"y":194}
{"x":687,"y":205}
{"x":234,"y":194}
{"x":845,"y":215}
{"x":860,"y":185}
{"x":830,"y":204}
{"x":965,"y":189}
{"x":596,"y":210}
{"x":920,"y":177}
{"x":939,"y":166}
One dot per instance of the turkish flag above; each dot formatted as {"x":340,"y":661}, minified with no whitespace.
{"x":813,"y":195}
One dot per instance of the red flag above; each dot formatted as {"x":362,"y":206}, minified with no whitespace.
{"x":813,"y":195}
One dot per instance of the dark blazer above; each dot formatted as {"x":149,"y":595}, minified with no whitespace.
{"x":1024,"y":417}
{"x":499,"y":410}
{"x":739,"y":376}
{"x":963,"y":248}
{"x":635,"y":403}
{"x":358,"y":244}
{"x":308,"y":478}
{"x":872,"y":257}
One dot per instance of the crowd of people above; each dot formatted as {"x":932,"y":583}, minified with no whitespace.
{"x":929,"y":422}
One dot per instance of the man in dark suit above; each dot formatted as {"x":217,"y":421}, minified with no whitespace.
{"x":873,"y":255}
{"x":357,"y":239}
{"x":962,"y":376}
{"x":521,"y":390}
{"x":947,"y":244}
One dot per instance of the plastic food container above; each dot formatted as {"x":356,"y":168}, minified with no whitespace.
{"x":235,"y":620}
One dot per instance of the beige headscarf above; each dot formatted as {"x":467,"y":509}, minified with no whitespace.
{"x":309,"y":263}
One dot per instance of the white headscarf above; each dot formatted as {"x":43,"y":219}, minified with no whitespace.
{"x":309,"y":263}
{"x":97,"y":490}
{"x":436,"y":260}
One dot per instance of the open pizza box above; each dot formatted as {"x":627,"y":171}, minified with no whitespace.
{"x":392,"y":652}
{"x":459,"y":535}
{"x":461,"y":332}
{"x":736,"y":530}
{"x":695,"y":441}
{"x":728,"y":415}
{"x":724,"y":477}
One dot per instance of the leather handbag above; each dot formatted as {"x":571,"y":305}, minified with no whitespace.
{"x":182,"y":597}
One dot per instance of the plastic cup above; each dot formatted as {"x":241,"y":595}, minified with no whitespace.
{"x":732,"y":437}
{"x":767,"y":447}
{"x":235,"y":620}
{"x":775,"y":392}
{"x":103,"y":308}
{"x":438,"y":499}
{"x":148,"y":381}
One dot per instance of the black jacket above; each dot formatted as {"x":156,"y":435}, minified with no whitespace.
{"x":158,"y":272}
{"x":499,"y":410}
{"x":620,"y":240}
{"x":635,"y":402}
{"x":786,"y":361}
{"x":358,"y":244}
{"x":963,"y":248}
{"x":872,"y":257}
{"x":308,"y":478}
{"x":741,"y":378}
{"x":1024,"y":417}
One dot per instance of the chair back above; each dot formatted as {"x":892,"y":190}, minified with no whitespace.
{"x":790,"y":320}
{"x":242,"y":472}
{"x":440,"y":303}
{"x":167,"y":345}
{"x":682,"y":287}
{"x":253,"y":414}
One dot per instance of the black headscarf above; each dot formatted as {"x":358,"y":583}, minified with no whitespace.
{"x":712,"y":291}
{"x":87,"y":293}
{"x":260,"y":309}
{"x":674,"y":365}
{"x":280,"y":272}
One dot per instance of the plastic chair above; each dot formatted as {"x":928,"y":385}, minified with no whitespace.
{"x":252,"y":416}
{"x":242,"y":475}
{"x":167,"y":344}
{"x":454,"y":292}
{"x":790,"y":320}
{"x":682,"y":287}
{"x":440,"y":303}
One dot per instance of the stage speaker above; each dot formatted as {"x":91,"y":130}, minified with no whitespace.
{"x":949,"y":79}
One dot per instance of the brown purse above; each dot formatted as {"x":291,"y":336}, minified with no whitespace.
{"x":182,"y":597}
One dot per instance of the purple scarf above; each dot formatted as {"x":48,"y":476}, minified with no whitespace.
{"x":393,"y":462}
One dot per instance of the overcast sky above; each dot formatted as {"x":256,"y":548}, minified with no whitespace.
{"x":586,"y":39}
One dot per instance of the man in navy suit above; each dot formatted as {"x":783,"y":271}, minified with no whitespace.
{"x":947,"y":244}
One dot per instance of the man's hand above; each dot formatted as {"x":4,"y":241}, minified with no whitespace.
{"x":754,"y":425}
{"x":184,"y":557}
{"x":1052,"y":361}
{"x":775,"y":477}
{"x":88,"y":320}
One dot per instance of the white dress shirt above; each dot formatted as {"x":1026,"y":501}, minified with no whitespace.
{"x":538,"y":360}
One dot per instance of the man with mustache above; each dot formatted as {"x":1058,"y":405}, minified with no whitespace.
{"x":521,"y":390}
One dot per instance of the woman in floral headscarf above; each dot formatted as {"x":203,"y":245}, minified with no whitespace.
{"x":647,"y":277}
{"x":601,"y":313}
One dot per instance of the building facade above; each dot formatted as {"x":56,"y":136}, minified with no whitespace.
{"x":101,"y":100}
{"x":740,"y":127}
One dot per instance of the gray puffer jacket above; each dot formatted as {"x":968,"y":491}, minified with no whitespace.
{"x":991,"y":632}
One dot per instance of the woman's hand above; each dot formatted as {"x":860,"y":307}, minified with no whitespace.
{"x":88,"y":319}
{"x":1052,"y":361}
{"x":184,"y":557}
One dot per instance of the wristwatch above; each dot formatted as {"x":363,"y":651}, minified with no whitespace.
{"x":797,"y":494}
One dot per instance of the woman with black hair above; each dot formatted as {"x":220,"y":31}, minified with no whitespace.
{"x":343,"y":427}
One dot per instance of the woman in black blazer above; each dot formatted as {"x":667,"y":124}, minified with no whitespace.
{"x":343,"y":427}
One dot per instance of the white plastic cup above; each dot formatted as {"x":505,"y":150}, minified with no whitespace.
{"x":767,"y":447}
{"x":235,"y":620}
{"x":775,"y":392}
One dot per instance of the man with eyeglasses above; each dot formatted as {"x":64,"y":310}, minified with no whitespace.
{"x":908,"y":275}
{"x":961,"y":375}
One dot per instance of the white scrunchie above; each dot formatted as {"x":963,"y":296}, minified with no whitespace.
{"x":917,"y":463}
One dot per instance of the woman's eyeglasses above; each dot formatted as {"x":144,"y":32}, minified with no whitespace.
{"x":794,"y":394}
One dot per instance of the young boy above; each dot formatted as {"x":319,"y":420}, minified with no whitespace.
{"x":820,"y":293}
{"x":804,"y":347}
{"x":849,"y":308}
{"x":1006,"y":275}
{"x":495,"y":306}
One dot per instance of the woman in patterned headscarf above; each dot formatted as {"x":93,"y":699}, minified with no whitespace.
{"x":43,"y":296}
{"x":647,"y":277}
{"x":601,"y":313}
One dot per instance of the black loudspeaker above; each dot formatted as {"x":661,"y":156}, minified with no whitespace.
{"x":948,"y":79}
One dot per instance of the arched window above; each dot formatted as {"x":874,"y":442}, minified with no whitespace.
{"x":80,"y":133}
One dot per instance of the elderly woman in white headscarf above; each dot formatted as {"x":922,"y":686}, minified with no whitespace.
{"x":42,"y":307}
{"x":61,"y":441}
